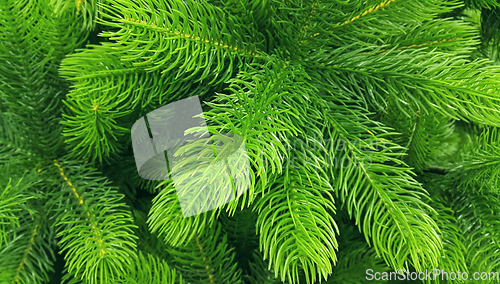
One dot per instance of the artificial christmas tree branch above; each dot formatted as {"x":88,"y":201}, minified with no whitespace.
{"x":345,"y":111}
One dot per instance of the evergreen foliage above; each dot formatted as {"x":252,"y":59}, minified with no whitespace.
{"x":371,"y":129}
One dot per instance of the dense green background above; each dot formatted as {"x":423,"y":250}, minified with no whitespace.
{"x":406,"y":92}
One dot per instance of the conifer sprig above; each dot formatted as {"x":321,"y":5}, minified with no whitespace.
{"x":92,"y":231}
